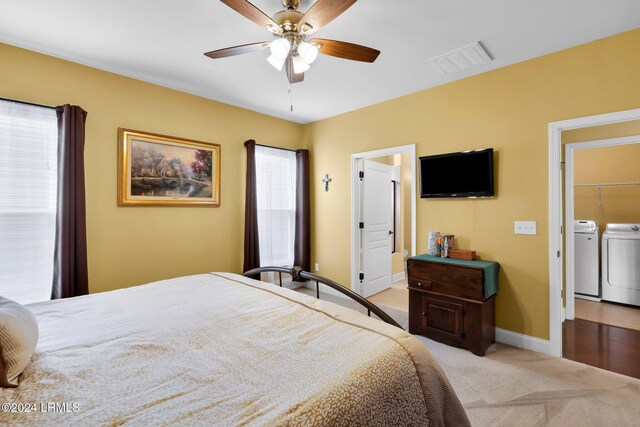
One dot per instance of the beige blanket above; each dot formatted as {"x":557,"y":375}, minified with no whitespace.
{"x":220,"y":349}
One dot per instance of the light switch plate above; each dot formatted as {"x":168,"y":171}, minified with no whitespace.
{"x":317,"y":267}
{"x":525,"y":227}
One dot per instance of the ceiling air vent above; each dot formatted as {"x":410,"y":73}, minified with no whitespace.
{"x":461,"y":59}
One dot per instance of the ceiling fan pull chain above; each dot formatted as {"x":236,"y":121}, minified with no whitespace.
{"x":291,"y":96}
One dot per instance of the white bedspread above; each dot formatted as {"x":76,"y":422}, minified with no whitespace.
{"x":222,"y":349}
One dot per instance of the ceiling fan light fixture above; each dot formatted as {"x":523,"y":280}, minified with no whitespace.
{"x":277,"y":63}
{"x":308,"y":52}
{"x":273,"y":28}
{"x":280,"y":48}
{"x":299,"y":66}
{"x":290,"y":28}
{"x":306,"y":28}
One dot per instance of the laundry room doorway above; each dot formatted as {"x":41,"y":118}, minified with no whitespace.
{"x":601,"y":322}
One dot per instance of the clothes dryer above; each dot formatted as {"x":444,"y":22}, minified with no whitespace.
{"x":621,"y":263}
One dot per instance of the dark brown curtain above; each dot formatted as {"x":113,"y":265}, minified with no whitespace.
{"x":251,"y":242}
{"x":302,"y":244}
{"x":70,"y":277}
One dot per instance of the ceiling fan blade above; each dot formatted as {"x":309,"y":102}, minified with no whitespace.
{"x":293,"y":77}
{"x":237,"y":50}
{"x":346,"y":50}
{"x":249,"y":11}
{"x":321,"y":13}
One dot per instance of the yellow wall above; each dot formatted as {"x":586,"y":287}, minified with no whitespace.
{"x":135,"y":245}
{"x":397,"y":263}
{"x":616,"y":130}
{"x":608,"y":165}
{"x":508,"y":109}
{"x":385,"y":160}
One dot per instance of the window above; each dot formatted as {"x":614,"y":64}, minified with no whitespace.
{"x":28,"y":188}
{"x":276,"y":197}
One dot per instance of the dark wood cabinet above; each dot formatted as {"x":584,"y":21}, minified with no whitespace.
{"x":448,"y":303}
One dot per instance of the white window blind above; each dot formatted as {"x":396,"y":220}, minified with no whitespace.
{"x":276,"y":194}
{"x":28,"y":187}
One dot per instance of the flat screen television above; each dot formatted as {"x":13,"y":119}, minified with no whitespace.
{"x":464,"y":174}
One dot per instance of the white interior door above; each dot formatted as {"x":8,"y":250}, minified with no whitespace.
{"x":377,"y":216}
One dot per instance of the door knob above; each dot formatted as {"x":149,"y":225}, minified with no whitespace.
{"x":390,"y":232}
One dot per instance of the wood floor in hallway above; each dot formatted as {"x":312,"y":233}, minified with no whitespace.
{"x":604,"y":346}
{"x":612,"y":314}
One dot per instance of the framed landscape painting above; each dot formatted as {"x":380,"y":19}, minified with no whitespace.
{"x":160,"y":170}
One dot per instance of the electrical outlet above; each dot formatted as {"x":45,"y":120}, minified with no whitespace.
{"x":525,"y":227}
{"x":317,"y":267}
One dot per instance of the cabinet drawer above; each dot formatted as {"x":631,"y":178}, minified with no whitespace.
{"x":421,"y":285}
{"x":463,"y":282}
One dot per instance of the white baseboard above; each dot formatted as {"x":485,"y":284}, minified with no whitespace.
{"x":525,"y":342}
{"x":397,"y":277}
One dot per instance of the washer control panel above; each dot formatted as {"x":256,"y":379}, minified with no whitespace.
{"x":632,"y":229}
{"x":585,"y":226}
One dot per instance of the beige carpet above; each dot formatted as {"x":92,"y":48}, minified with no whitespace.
{"x":514,"y":387}
{"x":397,"y":296}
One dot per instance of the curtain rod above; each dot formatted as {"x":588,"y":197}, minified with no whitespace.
{"x":27,"y":103}
{"x":276,"y":148}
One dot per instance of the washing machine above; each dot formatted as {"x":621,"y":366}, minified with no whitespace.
{"x":586,"y":256}
{"x":621,"y":263}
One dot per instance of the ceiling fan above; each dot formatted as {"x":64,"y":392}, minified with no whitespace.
{"x":291,"y":29}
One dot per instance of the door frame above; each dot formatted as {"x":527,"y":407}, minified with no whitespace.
{"x":570,"y":209}
{"x":555,"y":212}
{"x":355,"y":203}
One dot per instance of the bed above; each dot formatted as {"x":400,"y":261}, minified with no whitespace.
{"x":223,"y":349}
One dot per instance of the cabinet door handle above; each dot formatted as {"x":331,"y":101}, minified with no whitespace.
{"x":426,"y":284}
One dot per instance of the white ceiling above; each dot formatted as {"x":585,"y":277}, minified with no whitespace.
{"x":163,"y":41}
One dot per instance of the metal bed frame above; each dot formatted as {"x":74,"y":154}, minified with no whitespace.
{"x":298,"y":273}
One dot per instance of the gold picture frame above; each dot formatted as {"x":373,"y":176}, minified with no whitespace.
{"x":161,"y":170}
